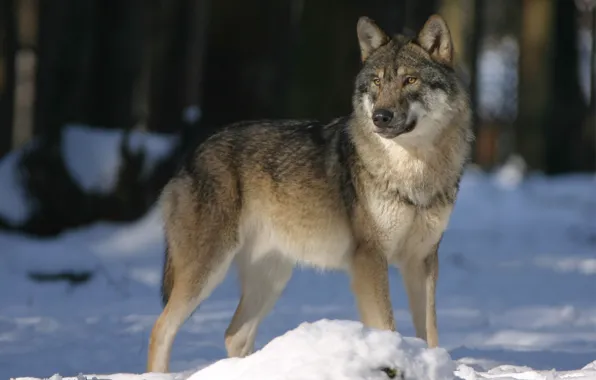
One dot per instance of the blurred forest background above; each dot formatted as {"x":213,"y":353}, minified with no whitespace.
{"x":182,"y":68}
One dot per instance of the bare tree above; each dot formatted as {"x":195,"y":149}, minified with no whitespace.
{"x":141,"y":92}
{"x":589,"y":6}
{"x":564,"y":150}
{"x":535,"y":85}
{"x":8,"y":49}
{"x":197,"y":37}
{"x":417,"y":12}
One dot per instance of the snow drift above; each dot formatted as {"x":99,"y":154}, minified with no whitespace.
{"x":324,"y":350}
{"x":336,"y":350}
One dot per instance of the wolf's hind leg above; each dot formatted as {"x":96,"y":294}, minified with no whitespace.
{"x":262,"y":283}
{"x":190,"y":288}
{"x":202,"y":238}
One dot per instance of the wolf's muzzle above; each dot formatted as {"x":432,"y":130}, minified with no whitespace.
{"x":390,"y":126}
{"x":382,"y":118}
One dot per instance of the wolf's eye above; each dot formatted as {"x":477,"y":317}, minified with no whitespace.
{"x":377,"y":82}
{"x":410,"y":80}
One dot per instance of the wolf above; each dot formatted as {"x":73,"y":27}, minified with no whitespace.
{"x":359,"y":193}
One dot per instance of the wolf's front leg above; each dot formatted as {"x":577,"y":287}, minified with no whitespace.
{"x":370,"y":284}
{"x":420,"y":276}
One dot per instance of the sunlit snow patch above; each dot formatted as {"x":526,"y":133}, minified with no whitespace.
{"x":336,"y":350}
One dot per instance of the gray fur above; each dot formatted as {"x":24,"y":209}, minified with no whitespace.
{"x":354,"y":194}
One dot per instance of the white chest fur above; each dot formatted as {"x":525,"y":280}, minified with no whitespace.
{"x":405,"y":230}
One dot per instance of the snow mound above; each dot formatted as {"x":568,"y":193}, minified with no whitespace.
{"x":92,"y":154}
{"x":92,"y":157}
{"x":507,"y":372}
{"x":336,"y":350}
{"x":14,"y":207}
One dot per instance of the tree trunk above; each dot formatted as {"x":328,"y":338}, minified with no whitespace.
{"x":167,"y":88}
{"x":535,"y":80}
{"x":590,"y":122}
{"x":142,"y":86}
{"x":8,"y":49}
{"x":116,"y":59}
{"x":417,"y":12}
{"x":475,"y":44}
{"x":198,"y":19}
{"x":64,"y":47}
{"x":593,"y":66}
{"x":565,"y":150}
{"x":461,"y":23}
{"x":465,"y":19}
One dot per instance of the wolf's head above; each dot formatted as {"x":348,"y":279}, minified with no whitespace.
{"x":407,"y":87}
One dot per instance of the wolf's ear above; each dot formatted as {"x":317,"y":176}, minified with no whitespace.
{"x":435,"y":38}
{"x":370,"y":37}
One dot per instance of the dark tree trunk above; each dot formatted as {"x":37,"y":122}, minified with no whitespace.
{"x":198,"y":18}
{"x":8,"y":49}
{"x":564,"y":147}
{"x":88,"y":58}
{"x":168,"y":92}
{"x":590,"y":121}
{"x":141,"y":92}
{"x":243,"y":66}
{"x":417,"y":12}
{"x":593,"y":66}
{"x":535,"y":80}
{"x":116,"y":60}
{"x":64,"y":53}
{"x":475,"y":45}
{"x":167,"y":89}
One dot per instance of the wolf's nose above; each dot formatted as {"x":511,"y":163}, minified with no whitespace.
{"x":381,"y":118}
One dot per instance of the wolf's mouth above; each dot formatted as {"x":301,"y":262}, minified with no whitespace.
{"x":406,"y":128}
{"x":393,"y":132}
{"x":410,"y":126}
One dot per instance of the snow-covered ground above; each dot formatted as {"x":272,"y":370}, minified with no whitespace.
{"x":516,"y":299}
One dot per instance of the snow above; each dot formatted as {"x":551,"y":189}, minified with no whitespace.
{"x":512,"y":172}
{"x":92,"y":154}
{"x":498,"y":62}
{"x":507,"y":372}
{"x":92,"y":157}
{"x":341,"y":350}
{"x":515,"y":296}
{"x":191,"y":114}
{"x":14,"y":207}
{"x":498,"y":78}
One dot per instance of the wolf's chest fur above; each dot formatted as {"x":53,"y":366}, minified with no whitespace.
{"x":408,"y":196}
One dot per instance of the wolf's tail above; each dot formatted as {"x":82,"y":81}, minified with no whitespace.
{"x":167,"y":281}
